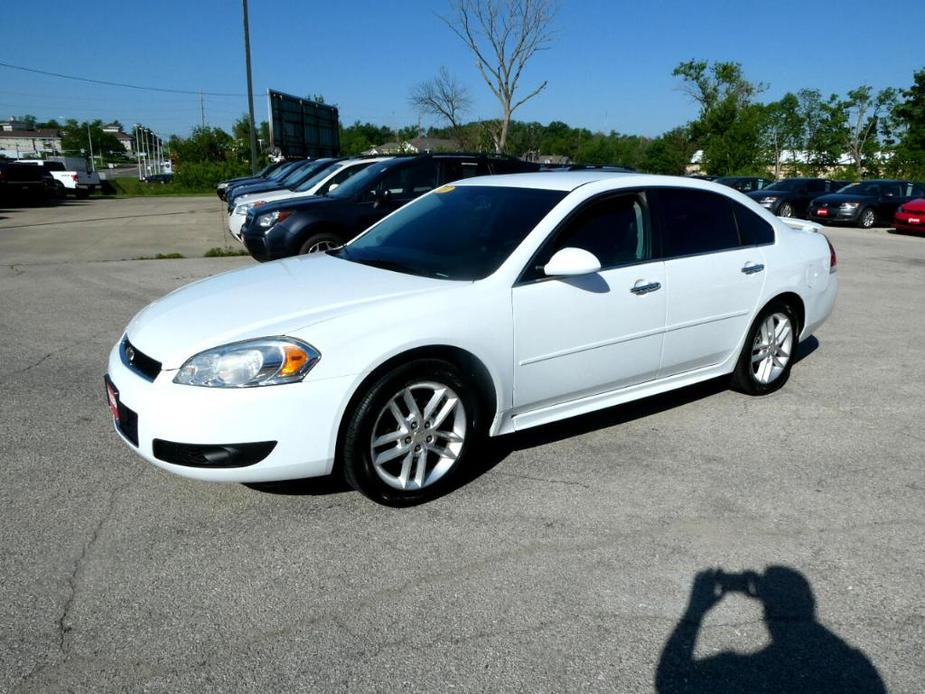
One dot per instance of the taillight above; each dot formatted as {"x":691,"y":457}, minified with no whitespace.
{"x":74,"y":178}
{"x":833,"y":259}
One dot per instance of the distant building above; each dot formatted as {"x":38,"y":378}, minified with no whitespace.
{"x":20,"y":143}
{"x":419,"y":145}
{"x":126,"y":140}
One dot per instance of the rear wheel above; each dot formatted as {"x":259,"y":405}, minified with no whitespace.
{"x":767,"y":357}
{"x":867,"y":219}
{"x":410,"y":433}
{"x":318,"y":243}
{"x":786,"y":210}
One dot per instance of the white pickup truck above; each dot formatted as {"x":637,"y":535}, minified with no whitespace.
{"x":70,"y":173}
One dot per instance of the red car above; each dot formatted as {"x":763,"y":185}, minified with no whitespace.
{"x":911,"y":216}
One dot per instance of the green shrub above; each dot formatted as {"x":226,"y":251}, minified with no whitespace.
{"x":197,"y":178}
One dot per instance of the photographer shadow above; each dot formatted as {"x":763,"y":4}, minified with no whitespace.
{"x":803,"y":656}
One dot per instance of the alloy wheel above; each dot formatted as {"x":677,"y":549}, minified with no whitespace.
{"x":772,"y":348}
{"x":867,"y":219}
{"x":322,"y":246}
{"x":785,"y":210}
{"x":418,"y":435}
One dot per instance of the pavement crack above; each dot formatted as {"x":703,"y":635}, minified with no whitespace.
{"x":42,"y":360}
{"x":73,"y":579}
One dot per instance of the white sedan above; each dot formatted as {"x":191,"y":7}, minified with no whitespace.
{"x":482,"y":308}
{"x":324,"y":181}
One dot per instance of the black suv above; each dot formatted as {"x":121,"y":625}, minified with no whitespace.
{"x":306,"y":225}
{"x":24,"y":183}
{"x":743,"y":184}
{"x":864,"y":204}
{"x":791,"y":197}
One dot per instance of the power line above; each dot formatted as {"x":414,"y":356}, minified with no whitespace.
{"x":116,"y":84}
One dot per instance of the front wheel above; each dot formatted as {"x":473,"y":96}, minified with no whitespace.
{"x":318,"y":243}
{"x":867,"y":218}
{"x":410,"y":433}
{"x":786,"y":210}
{"x":767,"y":357}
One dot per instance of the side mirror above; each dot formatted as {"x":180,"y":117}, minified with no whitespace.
{"x":332,"y":186}
{"x":570,"y":262}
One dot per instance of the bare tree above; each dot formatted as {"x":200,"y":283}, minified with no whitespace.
{"x":503,"y":35}
{"x":443,"y":97}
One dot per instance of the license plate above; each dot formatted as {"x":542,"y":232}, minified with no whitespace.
{"x":823,"y":212}
{"x":112,"y":398}
{"x":914,"y":220}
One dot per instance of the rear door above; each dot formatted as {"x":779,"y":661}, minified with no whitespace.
{"x":713,"y":276}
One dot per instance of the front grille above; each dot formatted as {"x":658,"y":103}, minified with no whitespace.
{"x":138,"y":361}
{"x":212,"y":455}
{"x":128,"y":423}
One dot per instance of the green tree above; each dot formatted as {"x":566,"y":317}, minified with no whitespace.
{"x":909,"y":116}
{"x":782,"y":127}
{"x":670,"y":152}
{"x":729,"y":125}
{"x":75,"y":139}
{"x":205,"y":144}
{"x":863,"y":113}
{"x":824,"y":136}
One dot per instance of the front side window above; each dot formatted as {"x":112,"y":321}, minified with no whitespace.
{"x":696,"y":221}
{"x":410,"y":181}
{"x":614,"y":230}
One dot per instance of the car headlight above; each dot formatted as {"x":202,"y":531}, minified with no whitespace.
{"x":850,"y":205}
{"x":242,"y":209}
{"x":265,"y":221}
{"x":263,"y":362}
{"x":768,"y":200}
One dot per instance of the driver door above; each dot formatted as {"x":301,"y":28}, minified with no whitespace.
{"x":578,"y":336}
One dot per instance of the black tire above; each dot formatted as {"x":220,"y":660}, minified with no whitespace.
{"x":82,"y":193}
{"x":744,"y":379}
{"x":319,"y":242}
{"x":356,"y":459}
{"x":60,"y":190}
{"x":785,"y":210}
{"x":867,"y":218}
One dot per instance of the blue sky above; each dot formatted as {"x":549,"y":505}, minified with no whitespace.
{"x":609,"y":68}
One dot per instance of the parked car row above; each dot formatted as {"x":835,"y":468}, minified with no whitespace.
{"x":865,"y":204}
{"x":307,"y":207}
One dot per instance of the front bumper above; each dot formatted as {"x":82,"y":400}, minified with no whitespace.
{"x":302,"y":418}
{"x":910,"y":221}
{"x":835,"y":214}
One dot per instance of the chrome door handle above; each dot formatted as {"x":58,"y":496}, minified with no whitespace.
{"x":752,"y":268}
{"x":646,"y":288}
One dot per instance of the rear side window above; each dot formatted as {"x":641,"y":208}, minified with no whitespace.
{"x":753,"y":229}
{"x":455,"y":170}
{"x":696,"y":221}
{"x":54,"y":166}
{"x":412,"y":180}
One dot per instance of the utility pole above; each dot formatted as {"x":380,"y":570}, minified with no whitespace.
{"x":250,"y":89}
{"x":202,"y":109}
{"x":138,"y":149}
{"x":90,"y":140}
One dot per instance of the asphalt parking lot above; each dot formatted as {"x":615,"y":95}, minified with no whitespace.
{"x":565,"y":563}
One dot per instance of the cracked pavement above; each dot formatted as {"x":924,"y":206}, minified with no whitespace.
{"x":563,"y":564}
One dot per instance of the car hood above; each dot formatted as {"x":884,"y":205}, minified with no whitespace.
{"x":768,"y":192}
{"x":269,"y":196}
{"x":252,"y":188}
{"x":270,"y":299}
{"x":838,"y":198}
{"x":917,"y":205}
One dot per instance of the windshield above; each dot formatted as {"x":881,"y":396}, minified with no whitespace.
{"x":789,"y":184}
{"x":363,"y":181}
{"x":281,"y":172}
{"x":456,"y":233}
{"x":861,"y":189}
{"x":300,"y":172}
{"x":312,"y":181}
